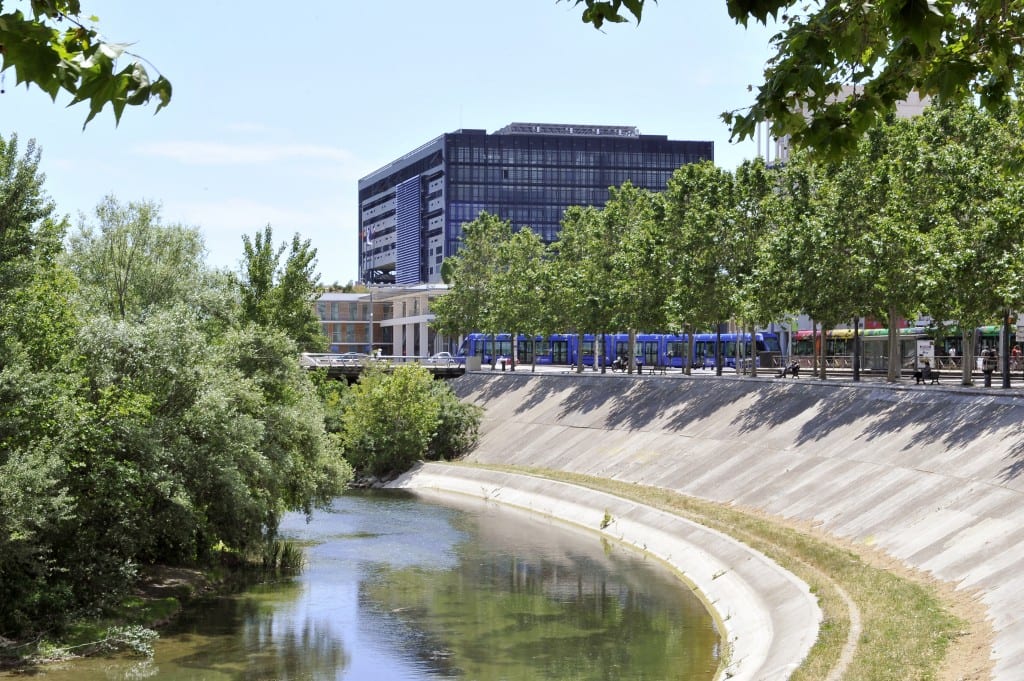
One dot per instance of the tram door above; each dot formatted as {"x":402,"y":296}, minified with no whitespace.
{"x":559,"y":352}
{"x":648,"y":351}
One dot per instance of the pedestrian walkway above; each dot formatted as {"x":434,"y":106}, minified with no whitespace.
{"x":947,"y":380}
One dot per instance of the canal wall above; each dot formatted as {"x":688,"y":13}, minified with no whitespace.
{"x":932,"y":475}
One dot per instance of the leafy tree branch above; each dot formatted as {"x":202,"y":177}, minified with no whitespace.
{"x":52,"y":47}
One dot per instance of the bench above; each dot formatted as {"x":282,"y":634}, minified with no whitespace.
{"x":926,"y":376}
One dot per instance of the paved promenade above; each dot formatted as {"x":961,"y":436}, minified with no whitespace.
{"x":929,"y":474}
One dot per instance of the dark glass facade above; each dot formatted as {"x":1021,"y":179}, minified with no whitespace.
{"x":526,"y":173}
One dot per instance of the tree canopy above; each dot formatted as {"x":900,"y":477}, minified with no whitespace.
{"x":921,"y":217}
{"x":840,"y":67}
{"x":55,"y":48}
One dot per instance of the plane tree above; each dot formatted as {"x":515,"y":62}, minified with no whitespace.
{"x":519,"y":290}
{"x":700,"y":217}
{"x":755,"y":186}
{"x":54,"y":47}
{"x":840,"y":67}
{"x":470,"y":303}
{"x":582,"y":276}
{"x":817,"y":255}
{"x":638,"y":284}
{"x":968,"y":162}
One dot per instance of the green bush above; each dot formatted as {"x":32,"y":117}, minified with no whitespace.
{"x":392,"y":420}
{"x":458,"y":426}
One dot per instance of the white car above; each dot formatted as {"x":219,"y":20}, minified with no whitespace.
{"x":441,"y":358}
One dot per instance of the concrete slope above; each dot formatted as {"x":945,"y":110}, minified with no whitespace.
{"x":930,"y":475}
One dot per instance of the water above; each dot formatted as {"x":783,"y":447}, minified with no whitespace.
{"x":399,"y":589}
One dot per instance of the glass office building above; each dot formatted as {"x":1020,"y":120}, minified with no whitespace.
{"x":411,"y":211}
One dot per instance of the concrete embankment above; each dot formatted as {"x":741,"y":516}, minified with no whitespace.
{"x":768,"y":617}
{"x":931,"y":476}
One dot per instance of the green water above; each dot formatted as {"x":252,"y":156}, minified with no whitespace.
{"x":399,"y":589}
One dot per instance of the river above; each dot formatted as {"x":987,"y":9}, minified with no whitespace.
{"x":400,"y":589}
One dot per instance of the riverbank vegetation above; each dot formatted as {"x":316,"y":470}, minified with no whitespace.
{"x":390,"y":420}
{"x":153,"y":413}
{"x":147,"y":415}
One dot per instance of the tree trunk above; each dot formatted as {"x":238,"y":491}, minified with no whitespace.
{"x":631,"y":351}
{"x":815,"y":348}
{"x":753,"y":351}
{"x":967,"y":356}
{"x":895,"y":371}
{"x":689,"y":346}
{"x":719,"y":355}
{"x":514,"y":356}
{"x":823,"y":350}
{"x":737,"y":349}
{"x":579,"y":353}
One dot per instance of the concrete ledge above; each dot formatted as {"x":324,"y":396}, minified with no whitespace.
{"x":769,"y":617}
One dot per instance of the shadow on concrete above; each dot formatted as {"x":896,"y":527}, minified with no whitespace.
{"x":942,"y":420}
{"x":703,"y":398}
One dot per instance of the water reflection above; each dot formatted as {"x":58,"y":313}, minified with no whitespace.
{"x":396,"y":588}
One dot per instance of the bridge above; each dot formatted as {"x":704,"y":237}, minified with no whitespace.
{"x":349,"y":365}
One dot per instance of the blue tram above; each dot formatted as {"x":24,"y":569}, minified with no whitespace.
{"x":652,"y":349}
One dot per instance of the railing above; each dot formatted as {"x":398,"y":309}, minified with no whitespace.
{"x":881,"y":363}
{"x":327,"y":359}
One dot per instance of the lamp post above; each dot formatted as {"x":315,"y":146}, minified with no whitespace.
{"x":369,"y":331}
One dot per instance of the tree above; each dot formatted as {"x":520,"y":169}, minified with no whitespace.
{"x":582,"y":272}
{"x":755,"y":185}
{"x":390,"y":419}
{"x":840,"y":67}
{"x":75,"y":59}
{"x":35,"y":320}
{"x":700,"y":209}
{"x":818,"y":260}
{"x":971,"y":193}
{"x":393,"y":419}
{"x":519,"y":286}
{"x":470,"y":302}
{"x":639,"y":283}
{"x":281,"y":296}
{"x":130,"y":263}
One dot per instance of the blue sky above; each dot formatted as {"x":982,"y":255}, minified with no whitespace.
{"x":279,"y":108}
